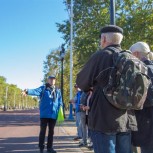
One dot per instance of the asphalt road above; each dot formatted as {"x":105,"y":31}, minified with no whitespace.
{"x":19,"y":131}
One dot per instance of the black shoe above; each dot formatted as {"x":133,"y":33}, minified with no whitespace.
{"x":41,"y":150}
{"x":90,"y":147}
{"x":82,"y":144}
{"x":77,"y":138}
{"x":51,"y":151}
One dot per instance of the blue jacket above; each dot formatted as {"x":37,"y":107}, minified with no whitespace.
{"x":49,"y":107}
{"x":77,"y":102}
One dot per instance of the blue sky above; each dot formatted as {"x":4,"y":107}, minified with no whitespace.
{"x":27,"y":33}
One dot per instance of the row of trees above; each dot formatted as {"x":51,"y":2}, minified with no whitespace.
{"x":10,"y":97}
{"x":134,"y":16}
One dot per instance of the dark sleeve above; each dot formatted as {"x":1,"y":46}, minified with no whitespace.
{"x":100,"y":61}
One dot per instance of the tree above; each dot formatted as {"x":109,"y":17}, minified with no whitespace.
{"x":52,"y":64}
{"x":135,"y":16}
{"x":2,"y":89}
{"x":14,"y":98}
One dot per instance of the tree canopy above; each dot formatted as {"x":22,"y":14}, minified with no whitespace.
{"x":134,"y":16}
{"x":10,"y":96}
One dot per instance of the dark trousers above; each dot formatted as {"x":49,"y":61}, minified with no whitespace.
{"x":43,"y":125}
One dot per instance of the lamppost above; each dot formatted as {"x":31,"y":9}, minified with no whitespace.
{"x":112,"y":12}
{"x":62,"y":55}
{"x":71,"y":61}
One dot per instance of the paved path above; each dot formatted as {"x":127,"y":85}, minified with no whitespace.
{"x":19,"y":133}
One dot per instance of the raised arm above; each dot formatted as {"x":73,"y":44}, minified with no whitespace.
{"x":33,"y":92}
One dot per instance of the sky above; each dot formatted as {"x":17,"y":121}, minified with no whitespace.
{"x":27,"y":33}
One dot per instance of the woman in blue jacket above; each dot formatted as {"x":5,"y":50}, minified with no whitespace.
{"x":50,"y":102}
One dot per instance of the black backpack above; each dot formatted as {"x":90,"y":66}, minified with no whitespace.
{"x":128,"y":82}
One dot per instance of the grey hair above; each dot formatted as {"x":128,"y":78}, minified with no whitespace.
{"x":113,"y":38}
{"x":143,"y":49}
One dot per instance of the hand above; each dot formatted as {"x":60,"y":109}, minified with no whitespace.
{"x":24,"y":93}
{"x":71,"y":101}
{"x":86,"y":107}
{"x":81,"y":107}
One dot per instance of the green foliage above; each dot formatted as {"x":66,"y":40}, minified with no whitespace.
{"x":134,"y":16}
{"x":52,"y":65}
{"x":2,"y":89}
{"x":10,"y":96}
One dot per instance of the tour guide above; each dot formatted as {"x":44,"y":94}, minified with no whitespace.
{"x":50,"y":102}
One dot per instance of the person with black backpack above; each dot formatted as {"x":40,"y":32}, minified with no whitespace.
{"x":144,"y":136}
{"x":110,"y":124}
{"x":50,"y":103}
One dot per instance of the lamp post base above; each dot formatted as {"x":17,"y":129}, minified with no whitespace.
{"x":71,"y":118}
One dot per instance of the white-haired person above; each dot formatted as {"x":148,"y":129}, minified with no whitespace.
{"x":144,"y":136}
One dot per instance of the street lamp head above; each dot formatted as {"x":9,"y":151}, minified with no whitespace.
{"x":62,"y":52}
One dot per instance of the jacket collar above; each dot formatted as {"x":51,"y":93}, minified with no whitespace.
{"x":115,"y":45}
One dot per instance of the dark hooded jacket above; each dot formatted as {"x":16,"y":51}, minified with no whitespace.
{"x":144,"y":135}
{"x":103,"y":116}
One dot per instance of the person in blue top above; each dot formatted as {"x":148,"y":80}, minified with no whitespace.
{"x":50,"y":102}
{"x":76,"y":102}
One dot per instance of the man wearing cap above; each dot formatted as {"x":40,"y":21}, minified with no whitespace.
{"x":50,"y":102}
{"x":110,"y":127}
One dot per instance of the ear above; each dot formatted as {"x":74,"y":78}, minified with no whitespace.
{"x":136,"y":54}
{"x":104,"y":39}
{"x":101,"y":41}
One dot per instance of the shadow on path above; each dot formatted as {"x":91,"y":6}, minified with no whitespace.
{"x":62,"y":144}
{"x":19,"y":145}
{"x":19,"y":118}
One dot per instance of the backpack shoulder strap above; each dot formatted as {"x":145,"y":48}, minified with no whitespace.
{"x":56,"y":89}
{"x":115,"y":50}
{"x":115,"y":53}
